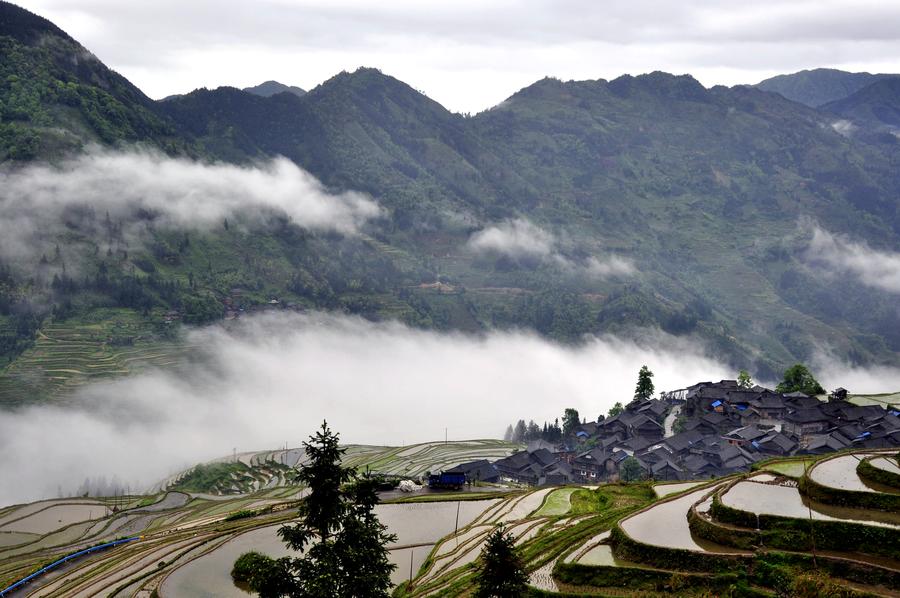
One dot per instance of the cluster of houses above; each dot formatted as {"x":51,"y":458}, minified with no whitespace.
{"x":707,"y":430}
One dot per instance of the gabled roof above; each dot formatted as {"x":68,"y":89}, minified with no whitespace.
{"x":806,"y":416}
{"x":803,"y":402}
{"x":777,"y":440}
{"x":641,"y":420}
{"x":639,"y":443}
{"x":751,"y":432}
{"x":683,"y":441}
{"x":697,"y":464}
{"x":543,"y":456}
{"x":827,"y":442}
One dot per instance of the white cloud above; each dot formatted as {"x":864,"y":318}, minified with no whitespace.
{"x":520,"y":239}
{"x":844,"y":127}
{"x":177,"y":192}
{"x":838,"y":255}
{"x":514,"y":238}
{"x":272,"y":379}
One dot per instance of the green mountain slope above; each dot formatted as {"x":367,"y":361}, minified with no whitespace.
{"x":56,"y":96}
{"x":817,"y":87}
{"x":704,"y":192}
{"x":876,"y":105}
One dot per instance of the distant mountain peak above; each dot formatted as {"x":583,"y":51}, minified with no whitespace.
{"x":269,"y":88}
{"x":817,"y":87}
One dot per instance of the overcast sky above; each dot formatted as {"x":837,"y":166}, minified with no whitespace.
{"x":471,"y":54}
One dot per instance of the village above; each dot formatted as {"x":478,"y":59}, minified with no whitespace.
{"x":707,"y":430}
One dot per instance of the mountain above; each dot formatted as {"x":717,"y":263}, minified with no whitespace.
{"x":57,"y":96}
{"x":876,"y":105}
{"x":819,"y":86}
{"x":270,"y":88}
{"x":705,"y":194}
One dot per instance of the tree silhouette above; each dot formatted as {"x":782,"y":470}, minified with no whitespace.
{"x":500,"y":573}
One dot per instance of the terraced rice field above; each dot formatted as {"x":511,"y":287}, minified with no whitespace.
{"x":888,"y":464}
{"x":663,"y":490}
{"x":411,"y":461}
{"x":557,"y":503}
{"x":840,"y":472}
{"x":776,"y":499}
{"x":794,"y":468}
{"x":68,"y":354}
{"x":665,"y":524}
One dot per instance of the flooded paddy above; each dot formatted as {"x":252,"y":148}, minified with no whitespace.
{"x":886,"y":463}
{"x":558,"y":503}
{"x":666,"y":524}
{"x":523,"y":507}
{"x":56,"y":517}
{"x":794,"y":469}
{"x":663,"y":490}
{"x":417,"y":524}
{"x":840,"y":472}
{"x":16,"y":538}
{"x":787,"y":501}
{"x":601,"y":554}
{"x":30,"y":509}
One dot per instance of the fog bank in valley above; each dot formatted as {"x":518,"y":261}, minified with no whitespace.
{"x":270,"y":379}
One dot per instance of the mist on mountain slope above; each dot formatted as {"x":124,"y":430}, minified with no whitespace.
{"x":139,"y":188}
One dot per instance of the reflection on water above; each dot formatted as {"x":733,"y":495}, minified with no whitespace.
{"x":840,"y":473}
{"x":414,"y":523}
{"x":788,"y":502}
{"x":666,"y":524}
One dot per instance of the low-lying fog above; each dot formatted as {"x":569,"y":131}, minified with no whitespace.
{"x":269,"y":379}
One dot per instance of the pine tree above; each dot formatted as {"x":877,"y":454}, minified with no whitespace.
{"x":342,"y":539}
{"x":500,"y":573}
{"x":644,"y":388}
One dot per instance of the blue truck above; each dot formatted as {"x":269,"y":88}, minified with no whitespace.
{"x":447,"y":479}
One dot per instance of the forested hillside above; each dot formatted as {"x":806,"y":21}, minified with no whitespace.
{"x":653,"y":201}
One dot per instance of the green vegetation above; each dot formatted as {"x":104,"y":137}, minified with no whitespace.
{"x":215,"y":478}
{"x":644,"y":389}
{"x":615,"y":497}
{"x":798,"y":378}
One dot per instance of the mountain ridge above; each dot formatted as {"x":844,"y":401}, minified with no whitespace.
{"x":704,"y":191}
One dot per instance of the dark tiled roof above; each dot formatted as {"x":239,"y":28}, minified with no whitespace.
{"x":806,"y":416}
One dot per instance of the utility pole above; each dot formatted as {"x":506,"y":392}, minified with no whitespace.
{"x":445,"y":435}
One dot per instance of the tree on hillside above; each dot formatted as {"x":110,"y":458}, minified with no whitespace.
{"x":644,"y":388}
{"x":744,"y":380}
{"x":500,"y":572}
{"x":508,"y":435}
{"x":798,"y":378}
{"x":343,"y":542}
{"x":519,"y":431}
{"x":630,"y":470}
{"x":616,"y":409}
{"x":571,"y":420}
